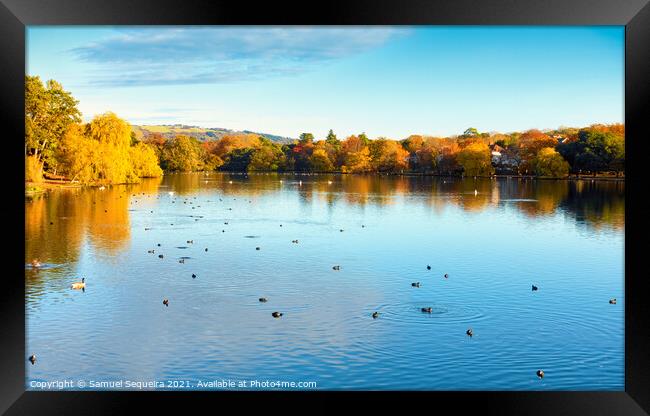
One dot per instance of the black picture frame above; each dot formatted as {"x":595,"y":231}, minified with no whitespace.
{"x":15,"y":15}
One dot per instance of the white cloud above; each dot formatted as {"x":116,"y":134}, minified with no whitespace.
{"x":153,"y":56}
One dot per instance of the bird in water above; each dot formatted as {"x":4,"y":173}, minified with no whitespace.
{"x":151,"y":251}
{"x":166,"y":302}
{"x":427,"y":309}
{"x":79,"y":285}
{"x":375,"y":315}
{"x":428,"y":267}
{"x":416,"y":284}
{"x":341,"y":230}
{"x":206,"y":249}
{"x":257,"y":248}
{"x":160,"y":256}
{"x":336,"y":268}
{"x":262,"y":300}
{"x":193,"y":276}
{"x":469,"y":332}
{"x":277,"y":314}
{"x":32,"y":359}
{"x":159,"y":243}
{"x":612,"y":301}
{"x":182,"y":261}
{"x":294,"y":241}
{"x":540,"y":374}
{"x":446,"y":276}
{"x":35,"y":263}
{"x":535,"y":288}
{"x":190,"y":241}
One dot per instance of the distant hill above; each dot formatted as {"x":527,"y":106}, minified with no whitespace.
{"x":200,"y":133}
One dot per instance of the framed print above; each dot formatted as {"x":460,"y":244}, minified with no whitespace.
{"x":373,"y":201}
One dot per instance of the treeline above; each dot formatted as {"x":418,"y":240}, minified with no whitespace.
{"x":107,"y":151}
{"x":594,"y":149}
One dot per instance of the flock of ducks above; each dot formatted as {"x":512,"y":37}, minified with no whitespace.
{"x":81,"y":285}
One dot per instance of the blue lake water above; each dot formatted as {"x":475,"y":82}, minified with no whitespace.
{"x":495,"y":238}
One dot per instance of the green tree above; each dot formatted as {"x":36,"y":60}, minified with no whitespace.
{"x":595,"y":151}
{"x":49,"y":110}
{"x":182,"y":153}
{"x":267,"y":156}
{"x":364,"y":139}
{"x":306,"y":138}
{"x":332,"y":140}
{"x":238,"y":160}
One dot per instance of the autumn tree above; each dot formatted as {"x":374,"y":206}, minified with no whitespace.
{"x":230,"y":142}
{"x":388,"y":156}
{"x":446,"y":155}
{"x":428,"y":155}
{"x":113,"y":140}
{"x":320,"y":161}
{"x":476,"y":159}
{"x":413,"y":143}
{"x":79,"y":155}
{"x":356,"y":155}
{"x":145,"y":161}
{"x":182,"y":153}
{"x":531,"y":142}
{"x":357,"y":162}
{"x":548,"y":162}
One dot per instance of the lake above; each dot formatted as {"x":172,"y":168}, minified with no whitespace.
{"x":494,"y":238}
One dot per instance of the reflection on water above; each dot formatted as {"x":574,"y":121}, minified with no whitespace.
{"x":495,"y":237}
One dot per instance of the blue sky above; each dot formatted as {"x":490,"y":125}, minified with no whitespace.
{"x":389,"y":81}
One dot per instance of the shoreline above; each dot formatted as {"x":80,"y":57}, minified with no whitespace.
{"x":34,"y":188}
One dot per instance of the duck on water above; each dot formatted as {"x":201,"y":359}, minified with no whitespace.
{"x":79,"y":285}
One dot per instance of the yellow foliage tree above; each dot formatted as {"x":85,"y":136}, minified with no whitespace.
{"x":78,"y":154}
{"x":388,"y":156}
{"x":320,"y":161}
{"x":145,"y":161}
{"x":476,"y":159}
{"x":33,"y":169}
{"x":356,"y":162}
{"x":113,"y":137}
{"x":550,"y":163}
{"x":101,"y":152}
